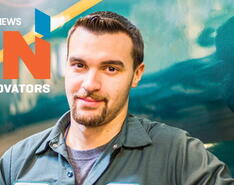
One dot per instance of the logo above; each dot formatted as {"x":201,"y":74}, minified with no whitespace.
{"x":15,"y":47}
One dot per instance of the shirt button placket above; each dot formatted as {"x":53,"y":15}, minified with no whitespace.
{"x":70,"y":177}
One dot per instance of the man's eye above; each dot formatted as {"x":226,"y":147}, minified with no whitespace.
{"x":111,"y":69}
{"x":79,"y":65}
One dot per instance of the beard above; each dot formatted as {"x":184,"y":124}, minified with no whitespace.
{"x":88,"y":120}
{"x":101,"y":116}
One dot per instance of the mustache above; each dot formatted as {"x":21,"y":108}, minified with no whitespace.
{"x":86,"y":94}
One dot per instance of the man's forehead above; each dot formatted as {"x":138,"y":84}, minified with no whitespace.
{"x":106,"y":46}
{"x":82,"y":33}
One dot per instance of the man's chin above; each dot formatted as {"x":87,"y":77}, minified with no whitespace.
{"x":88,"y":118}
{"x":89,"y":122}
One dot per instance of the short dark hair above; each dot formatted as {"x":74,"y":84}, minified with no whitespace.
{"x":110,"y":22}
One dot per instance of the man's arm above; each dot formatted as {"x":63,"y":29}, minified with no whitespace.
{"x":198,"y":166}
{"x":5,"y":168}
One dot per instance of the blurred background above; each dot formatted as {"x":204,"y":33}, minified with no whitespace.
{"x":189,"y":79}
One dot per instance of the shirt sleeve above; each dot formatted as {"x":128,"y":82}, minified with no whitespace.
{"x":5,"y":168}
{"x":197,"y":166}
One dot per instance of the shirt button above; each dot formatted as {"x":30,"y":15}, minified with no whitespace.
{"x":69,"y":173}
{"x":115,"y":146}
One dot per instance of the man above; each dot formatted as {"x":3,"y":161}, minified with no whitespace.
{"x":98,"y":142}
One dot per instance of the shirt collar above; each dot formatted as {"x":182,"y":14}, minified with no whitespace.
{"x":132,"y":134}
{"x":56,"y":134}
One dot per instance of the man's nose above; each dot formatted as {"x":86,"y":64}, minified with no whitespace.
{"x":91,"y":81}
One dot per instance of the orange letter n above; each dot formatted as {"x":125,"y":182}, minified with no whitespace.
{"x":15,"y":46}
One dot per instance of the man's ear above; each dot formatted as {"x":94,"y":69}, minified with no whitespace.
{"x":138,"y":74}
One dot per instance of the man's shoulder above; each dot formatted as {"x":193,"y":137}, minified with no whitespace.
{"x":159,"y":131}
{"x":39,"y":141}
{"x":169,"y":139}
{"x":30,"y":144}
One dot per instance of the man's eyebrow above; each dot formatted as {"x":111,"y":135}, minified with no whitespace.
{"x":71,"y":59}
{"x":114,"y":62}
{"x":107,"y":62}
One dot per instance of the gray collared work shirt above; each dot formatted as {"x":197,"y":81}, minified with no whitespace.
{"x":143,"y":153}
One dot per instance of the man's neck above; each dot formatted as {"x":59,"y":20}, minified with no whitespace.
{"x":80,"y":137}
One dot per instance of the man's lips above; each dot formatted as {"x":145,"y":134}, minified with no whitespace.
{"x":89,"y":100}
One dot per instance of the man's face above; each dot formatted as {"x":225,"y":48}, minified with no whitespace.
{"x":99,"y":75}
